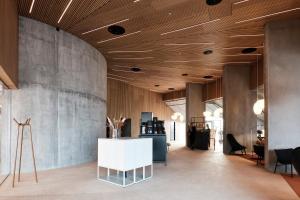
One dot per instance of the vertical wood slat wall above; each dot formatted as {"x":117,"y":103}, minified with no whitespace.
{"x":129,"y":101}
{"x":9,"y":43}
{"x":174,"y":95}
{"x":212,"y":90}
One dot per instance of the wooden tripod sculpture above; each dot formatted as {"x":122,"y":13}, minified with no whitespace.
{"x":22,"y":126}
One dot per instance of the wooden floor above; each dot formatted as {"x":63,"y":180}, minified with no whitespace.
{"x":189,"y":175}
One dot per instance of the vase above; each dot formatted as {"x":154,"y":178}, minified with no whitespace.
{"x":115,"y":133}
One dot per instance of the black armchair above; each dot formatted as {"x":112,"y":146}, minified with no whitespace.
{"x":235,"y":146}
{"x":259,"y":150}
{"x":284,"y":157}
{"x":296,"y":159}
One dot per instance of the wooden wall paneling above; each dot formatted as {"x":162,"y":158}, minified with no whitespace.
{"x":213,"y":90}
{"x":9,"y":43}
{"x":179,"y":94}
{"x":129,"y":101}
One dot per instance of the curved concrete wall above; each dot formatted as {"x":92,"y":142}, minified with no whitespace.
{"x":63,"y":89}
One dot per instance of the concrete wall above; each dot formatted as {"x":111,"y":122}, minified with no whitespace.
{"x":62,"y":87}
{"x":194,"y":104}
{"x":282,"y":86}
{"x":5,"y":137}
{"x":238,"y":100}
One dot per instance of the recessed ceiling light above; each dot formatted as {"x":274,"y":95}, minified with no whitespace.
{"x":129,"y":51}
{"x":156,"y":85}
{"x":136,"y":1}
{"x":118,"y":37}
{"x":208,"y":77}
{"x":184,"y":74}
{"x":135,"y":69}
{"x":193,"y":26}
{"x":65,"y":11}
{"x":248,"y":50}
{"x":212,"y":2}
{"x":269,"y":15}
{"x":99,"y":28}
{"x":171,"y":88}
{"x":116,"y":30}
{"x":207,"y":52}
{"x":185,"y":44}
{"x":31,"y":6}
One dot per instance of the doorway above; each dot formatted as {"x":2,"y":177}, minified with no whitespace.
{"x":177,"y":136}
{"x":214,"y":121}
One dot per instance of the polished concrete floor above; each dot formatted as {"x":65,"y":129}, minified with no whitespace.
{"x":189,"y":175}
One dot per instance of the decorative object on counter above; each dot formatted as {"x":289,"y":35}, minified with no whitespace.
{"x":22,"y":126}
{"x":116,"y":126}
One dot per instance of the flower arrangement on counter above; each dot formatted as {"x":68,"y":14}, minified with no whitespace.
{"x":116,"y":125}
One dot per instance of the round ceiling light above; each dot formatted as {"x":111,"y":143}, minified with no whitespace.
{"x":171,"y":89}
{"x":208,"y":77}
{"x":212,"y":2}
{"x":207,"y":114}
{"x":259,"y":106}
{"x":249,"y":50}
{"x":116,"y":30}
{"x":135,"y":69}
{"x":207,"y":52}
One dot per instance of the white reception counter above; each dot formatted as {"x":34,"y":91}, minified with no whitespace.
{"x":126,"y":155}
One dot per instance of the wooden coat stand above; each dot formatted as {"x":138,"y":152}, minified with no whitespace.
{"x":22,"y":126}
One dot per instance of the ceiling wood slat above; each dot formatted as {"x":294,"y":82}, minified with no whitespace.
{"x":165,"y":57}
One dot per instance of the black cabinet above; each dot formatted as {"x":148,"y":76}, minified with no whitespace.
{"x":159,"y":146}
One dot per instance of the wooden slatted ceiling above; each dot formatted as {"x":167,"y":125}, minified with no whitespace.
{"x":163,"y":63}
